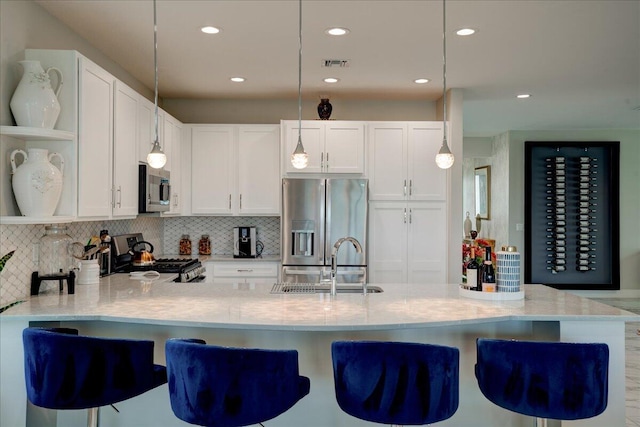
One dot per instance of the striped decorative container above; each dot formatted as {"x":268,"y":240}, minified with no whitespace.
{"x":508,"y":269}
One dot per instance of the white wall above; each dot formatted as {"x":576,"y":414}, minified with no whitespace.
{"x":26,"y":25}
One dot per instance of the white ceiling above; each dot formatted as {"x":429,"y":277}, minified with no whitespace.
{"x":580,"y":59}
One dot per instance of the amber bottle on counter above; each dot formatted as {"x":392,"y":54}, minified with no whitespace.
{"x":204,"y":246}
{"x":185,"y":245}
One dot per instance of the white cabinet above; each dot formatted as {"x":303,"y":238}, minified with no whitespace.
{"x":333,"y":146}
{"x":172,"y":137}
{"x":242,"y":271}
{"x":211,"y":169}
{"x":125,"y":150}
{"x":407,"y":242}
{"x":146,"y":127}
{"x":402,"y":161}
{"x":258,"y":170}
{"x":235,"y":170}
{"x":95,"y":140}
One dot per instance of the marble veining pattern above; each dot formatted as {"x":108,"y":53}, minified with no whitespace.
{"x":253,"y":306}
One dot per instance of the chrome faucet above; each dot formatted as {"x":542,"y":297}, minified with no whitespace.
{"x":334,"y":261}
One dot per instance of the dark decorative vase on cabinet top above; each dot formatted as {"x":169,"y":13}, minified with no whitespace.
{"x":324,"y":109}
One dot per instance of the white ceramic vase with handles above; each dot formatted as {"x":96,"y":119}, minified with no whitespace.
{"x":34,"y":103}
{"x":37,"y":183}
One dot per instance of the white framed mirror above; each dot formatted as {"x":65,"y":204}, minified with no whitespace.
{"x":483,"y":191}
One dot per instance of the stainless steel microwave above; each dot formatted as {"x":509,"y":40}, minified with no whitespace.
{"x":154,"y":189}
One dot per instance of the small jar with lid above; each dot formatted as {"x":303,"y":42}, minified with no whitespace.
{"x":204,"y":246}
{"x":53,"y":252}
{"x":185,"y":245}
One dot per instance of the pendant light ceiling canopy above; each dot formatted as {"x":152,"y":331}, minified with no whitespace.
{"x":444,"y":158}
{"x":299,"y":158}
{"x":156,"y":158}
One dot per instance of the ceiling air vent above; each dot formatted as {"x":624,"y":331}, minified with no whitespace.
{"x":340,"y":63}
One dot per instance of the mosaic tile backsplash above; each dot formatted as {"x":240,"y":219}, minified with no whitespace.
{"x":163,"y":233}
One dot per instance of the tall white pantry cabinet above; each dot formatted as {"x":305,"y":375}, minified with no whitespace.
{"x":408,"y":218}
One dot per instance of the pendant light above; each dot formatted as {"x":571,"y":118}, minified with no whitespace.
{"x":156,"y":158}
{"x":299,"y":158}
{"x":444,"y":158}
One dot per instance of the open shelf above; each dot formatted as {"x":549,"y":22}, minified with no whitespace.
{"x":36,"y":134}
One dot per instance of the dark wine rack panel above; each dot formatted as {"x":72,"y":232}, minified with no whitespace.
{"x":572,"y":214}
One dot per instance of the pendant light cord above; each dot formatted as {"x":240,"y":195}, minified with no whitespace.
{"x":444,"y":69}
{"x":155,"y":64}
{"x":299,"y":69}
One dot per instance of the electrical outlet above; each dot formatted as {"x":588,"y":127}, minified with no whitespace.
{"x":35,"y":252}
{"x":519,"y":227}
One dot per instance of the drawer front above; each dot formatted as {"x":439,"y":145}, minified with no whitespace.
{"x":245,"y":269}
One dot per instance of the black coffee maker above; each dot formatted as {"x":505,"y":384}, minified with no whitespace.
{"x":244,"y":242}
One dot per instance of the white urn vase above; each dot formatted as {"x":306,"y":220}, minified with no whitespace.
{"x":34,"y":103}
{"x":37,"y":183}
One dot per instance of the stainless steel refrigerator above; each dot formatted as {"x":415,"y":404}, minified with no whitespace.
{"x":315,"y":214}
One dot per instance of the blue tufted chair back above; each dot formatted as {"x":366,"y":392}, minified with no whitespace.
{"x":64,"y":370}
{"x":227,"y":387}
{"x":396,"y":383}
{"x":565,"y":381}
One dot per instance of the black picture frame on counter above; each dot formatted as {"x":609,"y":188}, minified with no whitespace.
{"x":572,"y":214}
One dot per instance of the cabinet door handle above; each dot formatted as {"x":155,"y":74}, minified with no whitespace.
{"x":176,"y":201}
{"x":244,"y":270}
{"x":119,"y":196}
{"x":322,"y":161}
{"x":240,"y":201}
{"x":410,"y":212}
{"x":327,"y":161}
{"x":404,"y":188}
{"x":410,"y":187}
{"x":405,"y":215}
{"x":229,"y":201}
{"x":113,"y":197}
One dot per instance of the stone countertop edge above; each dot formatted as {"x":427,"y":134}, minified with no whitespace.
{"x":251,"y":306}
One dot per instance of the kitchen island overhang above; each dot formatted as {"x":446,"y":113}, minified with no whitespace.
{"x":248,"y":315}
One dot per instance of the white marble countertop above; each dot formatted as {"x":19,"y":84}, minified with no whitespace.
{"x":119,"y":298}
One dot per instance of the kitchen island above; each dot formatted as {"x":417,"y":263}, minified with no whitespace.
{"x":249,"y":315}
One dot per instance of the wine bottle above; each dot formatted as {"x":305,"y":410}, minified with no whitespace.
{"x":488,"y":280}
{"x":472,"y":271}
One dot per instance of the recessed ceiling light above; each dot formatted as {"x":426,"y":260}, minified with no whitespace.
{"x":210,"y":30}
{"x":337,"y":31}
{"x":523,"y":96}
{"x":237,"y":79}
{"x":465,"y":31}
{"x":331,"y":80}
{"x":421,"y":81}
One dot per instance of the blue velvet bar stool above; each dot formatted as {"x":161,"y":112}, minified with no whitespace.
{"x":227,"y":387}
{"x":546,"y":380}
{"x":395,"y":382}
{"x":64,"y":370}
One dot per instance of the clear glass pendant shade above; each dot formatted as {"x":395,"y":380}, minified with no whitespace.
{"x":444,"y":158}
{"x":299,"y":158}
{"x":156,"y":158}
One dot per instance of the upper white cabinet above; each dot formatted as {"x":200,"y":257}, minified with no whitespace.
{"x":95,"y":140}
{"x":235,"y":170}
{"x":402,"y":161}
{"x":258,"y":169}
{"x":125,"y":150}
{"x":172,"y":137}
{"x":333,"y":146}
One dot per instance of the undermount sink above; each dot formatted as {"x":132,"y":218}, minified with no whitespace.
{"x":321,"y":288}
